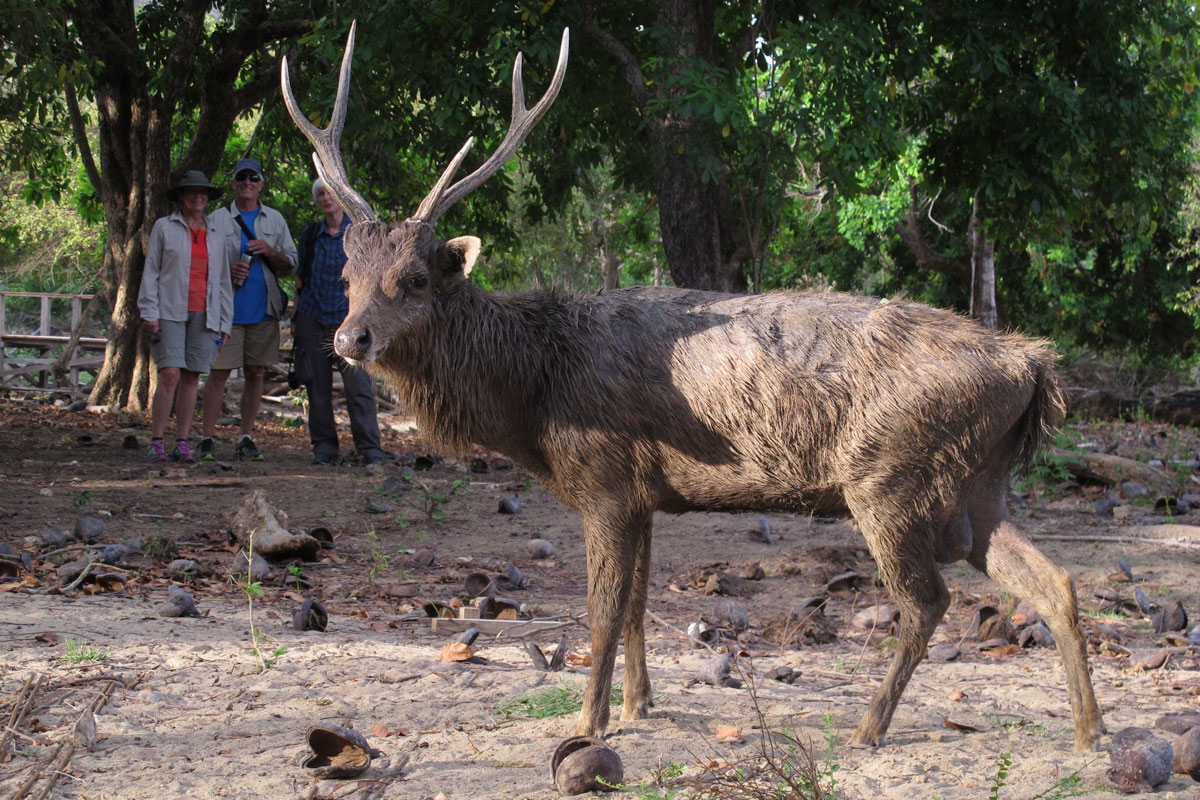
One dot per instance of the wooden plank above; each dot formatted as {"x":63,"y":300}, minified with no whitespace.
{"x":511,"y":627}
{"x":34,"y":340}
{"x":44,"y":321}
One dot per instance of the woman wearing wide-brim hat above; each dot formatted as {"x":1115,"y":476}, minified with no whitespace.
{"x":186,"y":303}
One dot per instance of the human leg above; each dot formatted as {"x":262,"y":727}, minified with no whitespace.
{"x":313,"y":339}
{"x":360,"y":404}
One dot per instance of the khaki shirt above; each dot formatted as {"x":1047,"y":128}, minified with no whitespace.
{"x":164,"y":290}
{"x":272,"y":229}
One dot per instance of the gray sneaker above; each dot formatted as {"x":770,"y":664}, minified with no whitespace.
{"x":246,"y":451}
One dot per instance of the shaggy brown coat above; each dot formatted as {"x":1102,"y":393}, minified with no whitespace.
{"x":908,"y":418}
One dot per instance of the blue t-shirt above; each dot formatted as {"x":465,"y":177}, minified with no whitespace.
{"x":250,"y":301}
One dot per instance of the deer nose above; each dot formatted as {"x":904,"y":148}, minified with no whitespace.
{"x":353,"y":343}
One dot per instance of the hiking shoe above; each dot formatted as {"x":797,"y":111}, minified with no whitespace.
{"x":324,"y":460}
{"x":207,"y":451}
{"x":157,"y":453}
{"x":182,"y":453}
{"x":246,"y":451}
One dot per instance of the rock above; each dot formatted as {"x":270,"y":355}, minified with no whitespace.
{"x":1170,"y":619}
{"x":540,"y":548}
{"x":513,"y":574}
{"x":763,"y":532}
{"x":878,"y":618}
{"x":54,"y":537}
{"x":70,"y":571}
{"x":752,"y":572}
{"x":1178,"y":722}
{"x":1186,"y":749}
{"x":375,"y":506}
{"x":731,"y":614}
{"x":997,"y":626}
{"x":84,"y":734}
{"x":259,"y":569}
{"x":1143,"y":603}
{"x":715,"y":672}
{"x":1124,"y":568}
{"x":1106,"y":504}
{"x":425,"y":558}
{"x":113,"y":553}
{"x":790,"y":630}
{"x":1149,"y":658}
{"x":256,"y":517}
{"x":1025,"y":614}
{"x":726,"y":584}
{"x":510,"y":505}
{"x":943,"y":653}
{"x":1123,"y":512}
{"x":783,"y":674}
{"x":1131,"y":490}
{"x":1038,"y":635}
{"x":89,"y":529}
{"x":183,"y":567}
{"x":78,"y":405}
{"x":1139,"y":760}
{"x":181,"y":600}
{"x":844,"y":584}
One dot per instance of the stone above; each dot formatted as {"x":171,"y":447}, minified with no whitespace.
{"x":731,"y":614}
{"x":89,"y":529}
{"x":1178,"y":722}
{"x":183,"y":601}
{"x":183,"y":567}
{"x":943,"y":653}
{"x":1186,"y":759}
{"x":54,"y":537}
{"x":540,"y":548}
{"x":259,"y":569}
{"x":1132,"y":490}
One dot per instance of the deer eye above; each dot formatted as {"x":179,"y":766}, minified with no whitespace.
{"x":345,"y":285}
{"x":418,"y":281}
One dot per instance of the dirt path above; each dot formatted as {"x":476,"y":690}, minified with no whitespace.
{"x":194,"y":714}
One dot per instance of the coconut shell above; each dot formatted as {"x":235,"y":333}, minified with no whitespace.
{"x":581,"y":763}
{"x":1139,"y":761}
{"x":337,"y":752}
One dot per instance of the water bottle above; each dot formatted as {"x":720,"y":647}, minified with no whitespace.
{"x":248,"y":259}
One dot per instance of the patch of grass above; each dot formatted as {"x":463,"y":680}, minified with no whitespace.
{"x":83,"y":498}
{"x":1062,"y":789}
{"x":558,"y":702}
{"x":158,"y":546}
{"x":79,"y":652}
{"x":1106,"y":616}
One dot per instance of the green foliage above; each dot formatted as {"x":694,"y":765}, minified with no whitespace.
{"x":80,"y":652}
{"x":558,"y":702}
{"x":379,"y":559}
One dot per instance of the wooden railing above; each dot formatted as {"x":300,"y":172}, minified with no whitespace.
{"x":19,"y":370}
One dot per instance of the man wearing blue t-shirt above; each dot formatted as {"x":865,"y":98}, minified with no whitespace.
{"x":260,"y":249}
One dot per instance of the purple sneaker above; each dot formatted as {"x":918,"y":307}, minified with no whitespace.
{"x":156,"y":452}
{"x":182,"y":453}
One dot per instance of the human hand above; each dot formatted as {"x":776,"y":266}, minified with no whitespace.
{"x":239,"y":270}
{"x":151,"y":325}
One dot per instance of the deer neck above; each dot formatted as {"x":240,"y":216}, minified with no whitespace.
{"x":471,"y":379}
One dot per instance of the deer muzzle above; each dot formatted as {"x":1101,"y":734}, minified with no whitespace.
{"x":354,"y":344}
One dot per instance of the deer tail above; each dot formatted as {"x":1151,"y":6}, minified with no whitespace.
{"x":1047,"y":409}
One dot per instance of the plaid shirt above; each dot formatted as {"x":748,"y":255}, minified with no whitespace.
{"x":322,"y":297}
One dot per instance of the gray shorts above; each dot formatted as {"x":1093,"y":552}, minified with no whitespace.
{"x":187,"y":345}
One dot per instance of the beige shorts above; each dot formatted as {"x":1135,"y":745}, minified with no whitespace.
{"x":254,"y":345}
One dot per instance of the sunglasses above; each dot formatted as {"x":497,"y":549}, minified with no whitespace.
{"x":247,"y":176}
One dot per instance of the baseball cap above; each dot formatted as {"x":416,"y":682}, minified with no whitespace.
{"x":248,"y":164}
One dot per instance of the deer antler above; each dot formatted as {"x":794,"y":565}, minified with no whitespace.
{"x":328,"y":156}
{"x":440,"y":199}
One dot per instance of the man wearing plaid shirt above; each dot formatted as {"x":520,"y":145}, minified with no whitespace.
{"x":320,"y":308}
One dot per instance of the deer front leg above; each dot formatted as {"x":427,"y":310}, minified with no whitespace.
{"x":637,"y":678}
{"x":611,"y":541}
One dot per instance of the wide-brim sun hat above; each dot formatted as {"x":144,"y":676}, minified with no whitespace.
{"x":193,"y":178}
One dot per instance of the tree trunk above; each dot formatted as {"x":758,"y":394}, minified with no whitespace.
{"x":983,"y":271}
{"x":612,"y":267}
{"x":696,"y":219}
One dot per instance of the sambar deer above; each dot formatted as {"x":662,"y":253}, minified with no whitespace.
{"x":909,"y":419}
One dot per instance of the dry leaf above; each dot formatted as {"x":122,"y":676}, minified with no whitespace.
{"x":295,"y":597}
{"x":1005,"y":650}
{"x":457,"y":651}
{"x":728,"y":733}
{"x":956,"y":695}
{"x":958,"y":726}
{"x":579,"y":659}
{"x":380,"y":730}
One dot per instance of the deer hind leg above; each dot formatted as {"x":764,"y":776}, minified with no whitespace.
{"x":905,"y":558}
{"x":611,"y":538}
{"x":1012,"y":561}
{"x":637,"y":679}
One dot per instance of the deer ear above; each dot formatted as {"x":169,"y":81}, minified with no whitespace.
{"x":462,"y":253}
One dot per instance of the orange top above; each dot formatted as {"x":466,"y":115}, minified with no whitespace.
{"x":198,"y":279}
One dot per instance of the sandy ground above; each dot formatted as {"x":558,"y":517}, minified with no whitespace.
{"x":195,"y":715}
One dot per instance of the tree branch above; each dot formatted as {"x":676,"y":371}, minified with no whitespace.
{"x":630,"y":69}
{"x":81,"y":137}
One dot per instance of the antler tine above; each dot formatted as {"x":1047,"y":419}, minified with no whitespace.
{"x":327,"y":141}
{"x":523,"y":120}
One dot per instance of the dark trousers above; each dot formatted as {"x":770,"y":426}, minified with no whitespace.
{"x":315,"y":363}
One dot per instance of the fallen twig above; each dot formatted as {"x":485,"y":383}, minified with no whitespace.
{"x":1064,"y":537}
{"x":21,"y":706}
{"x":73,"y":585}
